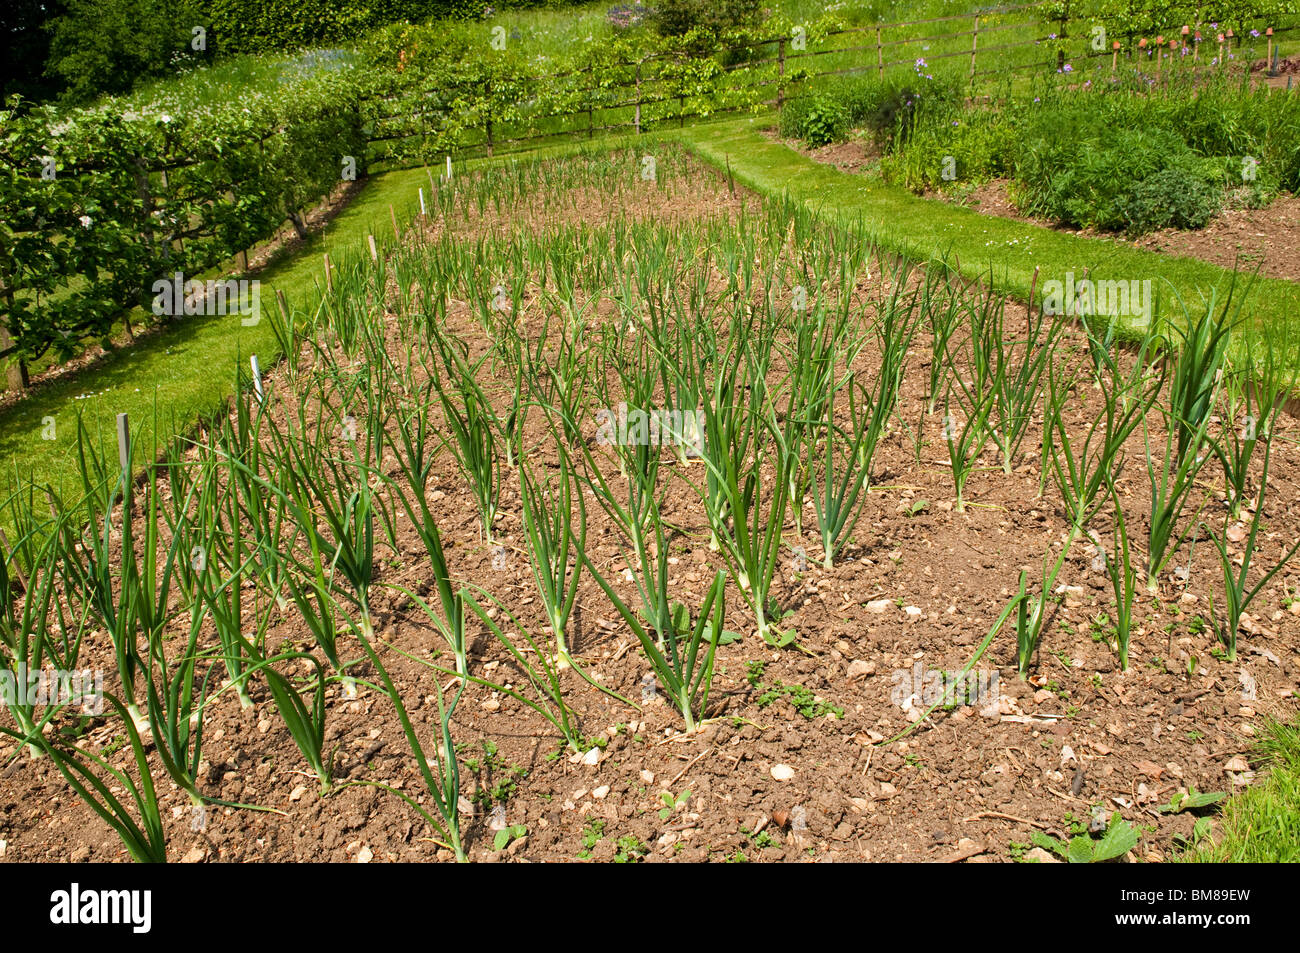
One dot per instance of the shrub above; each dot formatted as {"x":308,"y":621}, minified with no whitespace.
{"x":886,"y":107}
{"x":104,"y":46}
{"x":824,"y":120}
{"x":1180,"y":196}
{"x":679,"y":17}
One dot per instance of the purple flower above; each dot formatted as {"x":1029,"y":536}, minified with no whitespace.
{"x":1254,"y":33}
{"x":1069,"y":68}
{"x":1051,"y":36}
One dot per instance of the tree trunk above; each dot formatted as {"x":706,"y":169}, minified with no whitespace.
{"x":16,"y":378}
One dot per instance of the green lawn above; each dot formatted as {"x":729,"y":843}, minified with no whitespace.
{"x":1262,"y":824}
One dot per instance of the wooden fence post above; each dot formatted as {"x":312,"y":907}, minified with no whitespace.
{"x":591,"y":95}
{"x":974,"y":47}
{"x":880,"y":55}
{"x":487,"y":95}
{"x":637,"y":119}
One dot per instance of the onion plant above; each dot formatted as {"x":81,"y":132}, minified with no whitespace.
{"x":472,"y":425}
{"x":840,"y":465}
{"x":1252,"y":394}
{"x":741,"y":439}
{"x":1123,"y":580}
{"x":542,"y":675}
{"x":676,"y":659}
{"x":1173,"y":484}
{"x":98,"y":784}
{"x":442,"y":778}
{"x":35,"y":627}
{"x":1084,"y":468}
{"x":1238,"y":591}
{"x":1201,"y":351}
{"x":1019,"y":376}
{"x":548,"y":516}
{"x":1031,"y":610}
{"x":967,"y":441}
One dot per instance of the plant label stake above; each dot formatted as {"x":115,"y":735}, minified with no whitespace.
{"x":423,"y":213}
{"x":374,"y":252}
{"x":449,"y":168}
{"x":124,"y":445}
{"x":257,"y":378}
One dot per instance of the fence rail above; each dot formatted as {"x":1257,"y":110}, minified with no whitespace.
{"x":789,"y":70}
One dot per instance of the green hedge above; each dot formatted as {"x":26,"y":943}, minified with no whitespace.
{"x":95,"y":207}
{"x":256,"y":26}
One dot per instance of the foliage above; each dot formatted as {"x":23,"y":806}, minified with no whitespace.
{"x":105,"y":46}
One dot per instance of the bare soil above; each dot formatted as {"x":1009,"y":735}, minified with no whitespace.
{"x":920,"y":587}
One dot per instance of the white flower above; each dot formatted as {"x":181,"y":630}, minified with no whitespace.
{"x":85,"y":221}
{"x":166,"y":117}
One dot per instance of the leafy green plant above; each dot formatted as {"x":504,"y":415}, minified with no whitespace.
{"x":1118,"y":840}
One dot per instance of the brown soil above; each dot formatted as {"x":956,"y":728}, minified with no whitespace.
{"x":964,"y":786}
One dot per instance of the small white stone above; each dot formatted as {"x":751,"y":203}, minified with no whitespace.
{"x":601,"y":792}
{"x":782,"y":772}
